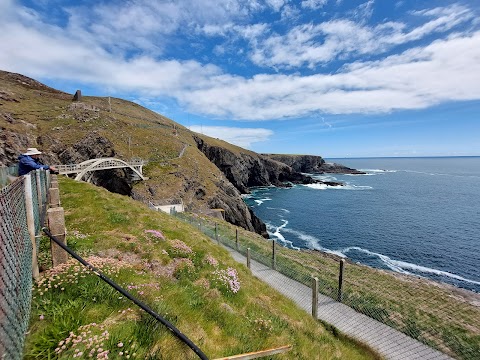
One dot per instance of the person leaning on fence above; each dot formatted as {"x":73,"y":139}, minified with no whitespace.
{"x":30,"y":161}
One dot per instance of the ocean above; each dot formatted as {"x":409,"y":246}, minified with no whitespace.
{"x":418,"y":216}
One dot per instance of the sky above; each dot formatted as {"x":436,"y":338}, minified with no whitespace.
{"x":336,"y":78}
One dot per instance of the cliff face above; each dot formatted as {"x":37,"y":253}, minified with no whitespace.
{"x":312,"y":164}
{"x":247,"y":169}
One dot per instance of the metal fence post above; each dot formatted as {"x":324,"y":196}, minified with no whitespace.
{"x":236,"y":238}
{"x":340,"y":281}
{"x":31,"y":223}
{"x":248,"y":258}
{"x":315,"y":298}
{"x":274,"y":256}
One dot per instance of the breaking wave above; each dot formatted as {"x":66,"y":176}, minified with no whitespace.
{"x":402,"y":267}
{"x":338,"y":187}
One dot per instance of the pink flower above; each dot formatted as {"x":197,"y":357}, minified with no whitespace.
{"x":155,"y":233}
{"x":41,"y":317}
{"x":120,"y":344}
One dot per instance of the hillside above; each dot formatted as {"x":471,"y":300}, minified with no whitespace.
{"x":177,"y":271}
{"x":205,"y":173}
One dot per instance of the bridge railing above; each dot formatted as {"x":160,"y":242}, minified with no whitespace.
{"x":107,"y":163}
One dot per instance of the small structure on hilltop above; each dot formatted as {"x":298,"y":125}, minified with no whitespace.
{"x":77,"y":96}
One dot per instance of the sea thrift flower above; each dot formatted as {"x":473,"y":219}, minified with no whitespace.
{"x":156,"y":233}
{"x":184,"y":266}
{"x":211,"y":260}
{"x":180,"y":249}
{"x":228,"y":279}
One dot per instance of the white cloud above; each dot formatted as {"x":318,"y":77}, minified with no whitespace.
{"x":445,"y":70}
{"x":313,"y":4}
{"x":276,"y":5}
{"x":364,"y":11}
{"x":311,"y":45}
{"x":290,"y":12}
{"x":243,"y":137}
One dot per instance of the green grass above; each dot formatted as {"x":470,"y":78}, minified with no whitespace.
{"x":440,"y":316}
{"x":176,"y":276}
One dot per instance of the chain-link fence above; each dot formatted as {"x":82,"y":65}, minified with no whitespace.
{"x":22,"y":209}
{"x":440,"y":316}
{"x":8,"y":175}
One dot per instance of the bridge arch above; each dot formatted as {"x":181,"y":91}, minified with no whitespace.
{"x":91,"y":165}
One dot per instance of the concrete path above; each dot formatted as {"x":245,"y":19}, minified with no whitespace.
{"x":388,"y":342}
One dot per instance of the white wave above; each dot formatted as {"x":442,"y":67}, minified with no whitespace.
{"x":384,"y":258}
{"x":261,"y":201}
{"x":406,"y":265}
{"x":378,"y":171}
{"x":338,"y":187}
{"x":366,"y":174}
{"x":276,"y":233}
{"x":311,"y":241}
{"x":323,"y":177}
{"x":395,"y":265}
{"x":317,"y":186}
{"x":403,"y":266}
{"x":284,"y":210}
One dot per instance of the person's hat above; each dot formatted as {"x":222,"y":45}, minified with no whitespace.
{"x":32,"y":151}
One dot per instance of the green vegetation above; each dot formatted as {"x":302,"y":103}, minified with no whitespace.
{"x":176,"y":270}
{"x":438,"y":315}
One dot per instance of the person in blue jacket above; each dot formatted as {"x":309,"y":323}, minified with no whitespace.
{"x":30,"y":161}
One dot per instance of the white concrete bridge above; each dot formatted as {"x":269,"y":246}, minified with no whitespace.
{"x":85,"y":169}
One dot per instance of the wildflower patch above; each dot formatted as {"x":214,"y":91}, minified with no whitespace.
{"x":71,"y":272}
{"x":178,"y":249}
{"x":92,"y":341}
{"x":157,"y":234}
{"x":226,"y":280}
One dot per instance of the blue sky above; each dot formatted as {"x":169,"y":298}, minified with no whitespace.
{"x":337,"y":78}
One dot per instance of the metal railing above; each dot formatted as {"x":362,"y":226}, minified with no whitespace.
{"x":440,"y":316}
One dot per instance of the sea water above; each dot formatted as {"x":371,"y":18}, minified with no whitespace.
{"x":417,"y":216}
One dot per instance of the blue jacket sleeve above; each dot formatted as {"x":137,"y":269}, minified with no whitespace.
{"x":27,"y":164}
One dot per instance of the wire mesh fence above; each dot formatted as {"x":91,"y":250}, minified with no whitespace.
{"x":8,"y":175}
{"x":16,"y":259}
{"x":440,"y":316}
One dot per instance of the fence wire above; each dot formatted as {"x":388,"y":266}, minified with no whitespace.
{"x":16,"y":262}
{"x":440,"y":316}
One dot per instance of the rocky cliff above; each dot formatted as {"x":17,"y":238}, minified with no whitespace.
{"x":245,"y":169}
{"x":312,"y":164}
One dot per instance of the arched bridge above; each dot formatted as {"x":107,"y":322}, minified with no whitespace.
{"x":85,"y":169}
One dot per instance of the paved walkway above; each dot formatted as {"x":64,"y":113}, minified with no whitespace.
{"x":388,"y":342}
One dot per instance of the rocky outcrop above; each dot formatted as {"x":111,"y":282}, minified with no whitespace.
{"x":236,"y":212}
{"x":245,"y":170}
{"x":312,"y":164}
{"x":13,"y":144}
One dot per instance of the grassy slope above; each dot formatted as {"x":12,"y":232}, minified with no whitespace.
{"x":45,"y":116}
{"x":442,"y":316}
{"x":219,"y":321}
